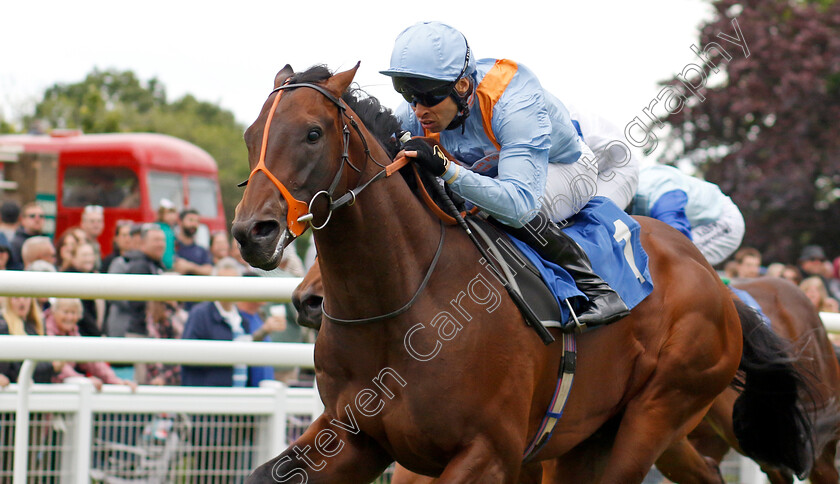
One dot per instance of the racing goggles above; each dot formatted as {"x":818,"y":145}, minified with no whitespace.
{"x":423,"y":91}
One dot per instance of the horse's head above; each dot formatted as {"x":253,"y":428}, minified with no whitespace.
{"x":295,"y":152}
{"x":307,"y":298}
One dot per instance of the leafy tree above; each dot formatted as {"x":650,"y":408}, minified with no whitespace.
{"x":113,"y":101}
{"x":767,"y":131}
{"x":6,"y":127}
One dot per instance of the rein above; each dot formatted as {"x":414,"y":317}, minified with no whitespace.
{"x":299,"y":214}
{"x":406,"y":306}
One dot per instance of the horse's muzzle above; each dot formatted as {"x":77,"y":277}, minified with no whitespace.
{"x":258,"y":241}
{"x":308,"y":307}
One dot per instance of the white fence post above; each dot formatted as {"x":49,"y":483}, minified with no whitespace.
{"x":275,"y":431}
{"x":22,"y":422}
{"x":318,"y":405}
{"x":831,"y":321}
{"x":146,"y":287}
{"x":82,"y":436}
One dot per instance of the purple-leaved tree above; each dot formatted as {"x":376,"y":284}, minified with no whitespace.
{"x":768,"y":131}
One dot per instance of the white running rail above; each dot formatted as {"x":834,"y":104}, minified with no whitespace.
{"x":273,"y":400}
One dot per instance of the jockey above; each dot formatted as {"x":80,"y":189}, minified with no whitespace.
{"x":517,"y":147}
{"x":695,"y":207}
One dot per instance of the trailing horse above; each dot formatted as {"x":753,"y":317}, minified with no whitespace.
{"x":793,"y":317}
{"x":466,"y":409}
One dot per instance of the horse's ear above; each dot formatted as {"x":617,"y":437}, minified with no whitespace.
{"x":281,"y":76}
{"x":341,"y":81}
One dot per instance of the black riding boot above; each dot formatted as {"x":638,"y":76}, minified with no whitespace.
{"x":546,"y":237}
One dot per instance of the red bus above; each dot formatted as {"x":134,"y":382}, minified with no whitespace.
{"x":128,"y":174}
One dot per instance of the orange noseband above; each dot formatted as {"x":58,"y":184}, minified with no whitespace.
{"x":299,"y":214}
{"x":297,"y":211}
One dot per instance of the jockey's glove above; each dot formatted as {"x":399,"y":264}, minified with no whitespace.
{"x":429,"y":158}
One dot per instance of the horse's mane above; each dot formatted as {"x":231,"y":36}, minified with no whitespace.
{"x":378,"y":119}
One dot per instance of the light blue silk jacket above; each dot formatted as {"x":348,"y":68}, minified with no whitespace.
{"x":533,"y":129}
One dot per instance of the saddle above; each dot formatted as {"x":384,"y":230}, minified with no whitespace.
{"x":522,"y":275}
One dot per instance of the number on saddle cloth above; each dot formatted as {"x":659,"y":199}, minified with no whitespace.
{"x":611,"y":240}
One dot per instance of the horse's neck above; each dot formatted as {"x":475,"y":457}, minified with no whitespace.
{"x":381,"y":246}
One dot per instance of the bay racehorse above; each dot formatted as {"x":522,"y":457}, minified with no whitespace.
{"x":463,"y":396}
{"x":791,"y":315}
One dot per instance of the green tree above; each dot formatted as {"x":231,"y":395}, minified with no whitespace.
{"x":113,"y":101}
{"x":6,"y":127}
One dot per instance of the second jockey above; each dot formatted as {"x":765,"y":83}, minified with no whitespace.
{"x":695,"y":207}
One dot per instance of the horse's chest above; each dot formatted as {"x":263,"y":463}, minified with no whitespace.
{"x":384,"y":407}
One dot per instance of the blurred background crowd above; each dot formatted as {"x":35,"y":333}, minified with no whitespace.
{"x":172,"y":245}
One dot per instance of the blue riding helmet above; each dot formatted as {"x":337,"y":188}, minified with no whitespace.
{"x":431,"y":50}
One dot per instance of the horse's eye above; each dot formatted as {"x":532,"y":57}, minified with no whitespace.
{"x":313,"y":135}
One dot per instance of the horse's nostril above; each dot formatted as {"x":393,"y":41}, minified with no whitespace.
{"x":313,"y":302}
{"x":265,"y":229}
{"x":309,"y":311}
{"x":240,"y":232}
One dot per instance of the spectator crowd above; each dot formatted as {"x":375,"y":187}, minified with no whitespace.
{"x":168,"y":246}
{"x":171,"y":245}
{"x":814,"y":273}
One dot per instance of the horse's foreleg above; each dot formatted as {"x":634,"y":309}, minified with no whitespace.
{"x":325,"y":453}
{"x":682,"y":463}
{"x":405,"y":476}
{"x":481,"y":463}
{"x":824,"y":470}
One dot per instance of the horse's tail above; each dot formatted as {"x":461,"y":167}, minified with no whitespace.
{"x":770,"y":420}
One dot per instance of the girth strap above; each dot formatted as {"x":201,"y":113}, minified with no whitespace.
{"x":568,"y":363}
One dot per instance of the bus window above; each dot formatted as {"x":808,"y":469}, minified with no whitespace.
{"x":99,"y":185}
{"x":165,"y":185}
{"x":203,"y":197}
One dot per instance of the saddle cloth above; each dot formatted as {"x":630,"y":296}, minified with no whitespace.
{"x":610,"y":239}
{"x":749,"y":301}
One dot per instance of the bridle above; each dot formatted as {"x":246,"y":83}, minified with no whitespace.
{"x":299,"y":214}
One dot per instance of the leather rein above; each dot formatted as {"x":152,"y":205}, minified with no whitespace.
{"x":299,"y":214}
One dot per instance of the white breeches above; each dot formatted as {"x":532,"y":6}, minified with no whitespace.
{"x":719,"y":239}
{"x":569,"y":187}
